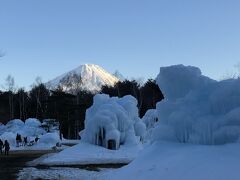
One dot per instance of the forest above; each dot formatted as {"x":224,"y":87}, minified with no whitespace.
{"x":69,"y":109}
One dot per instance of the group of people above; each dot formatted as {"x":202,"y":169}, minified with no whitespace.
{"x":5,"y":146}
{"x":24,"y":141}
{"x":21,"y":142}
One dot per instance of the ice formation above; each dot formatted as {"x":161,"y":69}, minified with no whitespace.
{"x":31,"y":129}
{"x":32,"y":122}
{"x":151,"y":120}
{"x":2,"y":128}
{"x":14,"y":125}
{"x":113,"y":120}
{"x":49,"y":138}
{"x":196,"y":108}
{"x":10,"y":136}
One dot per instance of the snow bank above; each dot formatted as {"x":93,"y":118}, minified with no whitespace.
{"x":15,"y":122}
{"x":31,"y":129}
{"x":172,"y":161}
{"x":14,"y":125}
{"x":50,"y":139}
{"x":197,"y":109}
{"x":140,"y":128}
{"x":32,"y":122}
{"x":10,"y":137}
{"x":85,"y":153}
{"x":150,"y":119}
{"x":2,"y":128}
{"x":112,"y":119}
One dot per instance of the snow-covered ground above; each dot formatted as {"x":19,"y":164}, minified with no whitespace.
{"x":85,"y":153}
{"x":162,"y":160}
{"x":61,"y":173}
{"x":172,"y":161}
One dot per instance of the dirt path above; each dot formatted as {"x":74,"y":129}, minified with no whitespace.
{"x":10,"y":165}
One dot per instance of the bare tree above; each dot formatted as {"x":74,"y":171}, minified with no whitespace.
{"x":38,"y":81}
{"x":22,"y":103}
{"x":237,"y":67}
{"x":233,"y":74}
{"x":10,"y":84}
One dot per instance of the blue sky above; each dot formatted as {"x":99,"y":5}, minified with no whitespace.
{"x":49,"y":37}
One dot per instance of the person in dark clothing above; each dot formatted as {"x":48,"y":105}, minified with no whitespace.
{"x":20,"y":140}
{"x":1,"y":146}
{"x":7,"y":147}
{"x":25,"y":141}
{"x":36,"y":139}
{"x":17,"y":140}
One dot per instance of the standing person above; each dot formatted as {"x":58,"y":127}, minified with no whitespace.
{"x":7,"y":147}
{"x":20,"y":140}
{"x":17,"y":140}
{"x":1,"y":146}
{"x":25,"y":141}
{"x":36,"y":139}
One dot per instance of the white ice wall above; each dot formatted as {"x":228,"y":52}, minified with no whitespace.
{"x":196,"y":108}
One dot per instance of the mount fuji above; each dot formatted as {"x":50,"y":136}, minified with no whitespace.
{"x":88,"y":77}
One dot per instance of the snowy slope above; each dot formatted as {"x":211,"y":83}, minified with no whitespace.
{"x":85,"y":153}
{"x":174,"y":161}
{"x":88,"y":77}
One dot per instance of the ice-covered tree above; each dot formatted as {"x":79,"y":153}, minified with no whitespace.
{"x":113,"y":119}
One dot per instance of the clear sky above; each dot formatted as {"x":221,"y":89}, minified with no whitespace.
{"x":49,"y":37}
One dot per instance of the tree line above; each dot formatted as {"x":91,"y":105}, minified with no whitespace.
{"x":69,"y":109}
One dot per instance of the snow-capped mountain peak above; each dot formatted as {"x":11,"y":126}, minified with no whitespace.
{"x":89,"y":77}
